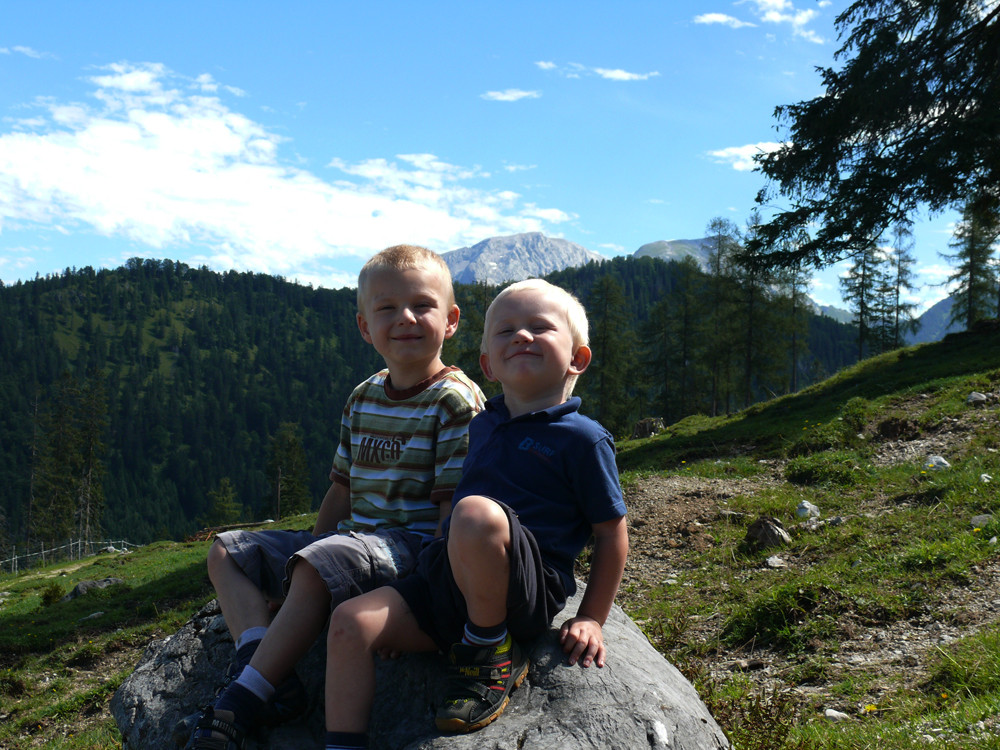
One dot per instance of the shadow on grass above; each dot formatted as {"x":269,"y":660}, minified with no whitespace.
{"x":49,"y":627}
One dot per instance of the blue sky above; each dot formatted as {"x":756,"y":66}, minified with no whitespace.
{"x":299,"y":138}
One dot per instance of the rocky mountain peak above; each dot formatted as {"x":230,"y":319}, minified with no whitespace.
{"x":515,"y":257}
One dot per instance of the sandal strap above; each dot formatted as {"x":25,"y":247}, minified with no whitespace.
{"x":209,"y":723}
{"x":480,"y":671}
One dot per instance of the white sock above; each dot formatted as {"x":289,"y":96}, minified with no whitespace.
{"x":254,"y":681}
{"x":250,"y":635}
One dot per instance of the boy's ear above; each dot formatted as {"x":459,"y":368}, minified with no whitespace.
{"x":484,"y":364}
{"x":453,"y":315}
{"x":363,"y":327}
{"x":581,"y":360}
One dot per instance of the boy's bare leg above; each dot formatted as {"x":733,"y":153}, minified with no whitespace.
{"x":479,"y":551}
{"x":359,"y":628}
{"x":296,"y":625}
{"x":243,"y":604}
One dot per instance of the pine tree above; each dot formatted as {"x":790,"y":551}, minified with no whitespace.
{"x":901,"y":280}
{"x":908,"y":119}
{"x":58,"y":468}
{"x":288,"y":472}
{"x":92,"y":422}
{"x":792,"y":285}
{"x":720,"y":313}
{"x":858,"y":288}
{"x":761,"y":331}
{"x":613,"y":347}
{"x":975,"y":238}
{"x":673,"y":336}
{"x":223,"y":508}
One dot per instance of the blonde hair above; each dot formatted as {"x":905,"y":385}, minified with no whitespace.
{"x":404,"y":258}
{"x":576,"y":316}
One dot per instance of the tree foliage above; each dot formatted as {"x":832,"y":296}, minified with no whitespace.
{"x":288,"y":472}
{"x":858,"y":287}
{"x":909,"y":120}
{"x":975,"y":275}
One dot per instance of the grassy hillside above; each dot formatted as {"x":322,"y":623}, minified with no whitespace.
{"x":903,"y":548}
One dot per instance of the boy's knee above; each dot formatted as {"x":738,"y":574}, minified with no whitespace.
{"x":303,"y":577}
{"x":217,"y":556}
{"x":345,"y":625}
{"x":478,"y":517}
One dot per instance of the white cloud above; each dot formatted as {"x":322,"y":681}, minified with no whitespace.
{"x":576,"y":70}
{"x":161,"y":164}
{"x":935,"y":273}
{"x":623,"y":75}
{"x":27,"y":51}
{"x":785,"y":12}
{"x":722,"y":19}
{"x":519,"y":167}
{"x":510,"y":95}
{"x":741,"y":157}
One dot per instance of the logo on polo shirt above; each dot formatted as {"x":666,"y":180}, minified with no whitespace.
{"x":379,"y":451}
{"x":539,"y":449}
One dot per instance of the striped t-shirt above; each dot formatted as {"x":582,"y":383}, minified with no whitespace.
{"x":401,"y":452}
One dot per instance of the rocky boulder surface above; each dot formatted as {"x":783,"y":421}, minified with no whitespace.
{"x":638,"y":700}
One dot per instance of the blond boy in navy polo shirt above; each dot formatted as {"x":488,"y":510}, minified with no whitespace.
{"x":539,"y":481}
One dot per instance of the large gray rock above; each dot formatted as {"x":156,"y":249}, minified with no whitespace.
{"x":638,"y":700}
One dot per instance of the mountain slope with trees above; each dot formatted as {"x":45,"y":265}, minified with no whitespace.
{"x":153,"y":400}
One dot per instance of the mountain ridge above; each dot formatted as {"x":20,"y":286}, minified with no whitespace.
{"x":514,"y":257}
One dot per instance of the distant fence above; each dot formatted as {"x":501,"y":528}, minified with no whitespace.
{"x":74,"y":549}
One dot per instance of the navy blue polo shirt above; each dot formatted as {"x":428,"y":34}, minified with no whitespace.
{"x":555,"y":468}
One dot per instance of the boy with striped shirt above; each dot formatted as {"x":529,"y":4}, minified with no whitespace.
{"x":403,"y":437}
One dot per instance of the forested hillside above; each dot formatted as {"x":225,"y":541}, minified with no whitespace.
{"x":154,"y":399}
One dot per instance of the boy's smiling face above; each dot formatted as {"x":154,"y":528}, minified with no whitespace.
{"x":530,"y":350}
{"x":407,"y":316}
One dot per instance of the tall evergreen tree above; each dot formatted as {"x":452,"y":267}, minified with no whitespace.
{"x":59,"y":462}
{"x":792,"y":285}
{"x":975,"y":238}
{"x":858,"y":289}
{"x":720,"y":313}
{"x":900,"y":280}
{"x":761,"y":331}
{"x":223,"y":508}
{"x":92,"y":422}
{"x":673,"y":337}
{"x":908,"y":119}
{"x":288,"y":472}
{"x":614,"y":357}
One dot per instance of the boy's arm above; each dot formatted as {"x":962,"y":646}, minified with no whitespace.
{"x":336,"y":507}
{"x":582,"y":636}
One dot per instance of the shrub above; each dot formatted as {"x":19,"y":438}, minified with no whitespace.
{"x":51,"y":593}
{"x":776,"y":616}
{"x":837,"y":468}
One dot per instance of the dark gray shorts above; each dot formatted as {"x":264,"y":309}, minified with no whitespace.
{"x":350,"y":563}
{"x":535,"y":593}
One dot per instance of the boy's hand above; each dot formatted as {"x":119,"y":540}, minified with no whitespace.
{"x":583,"y":639}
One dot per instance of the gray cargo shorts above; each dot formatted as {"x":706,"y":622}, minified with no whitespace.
{"x":350,"y":563}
